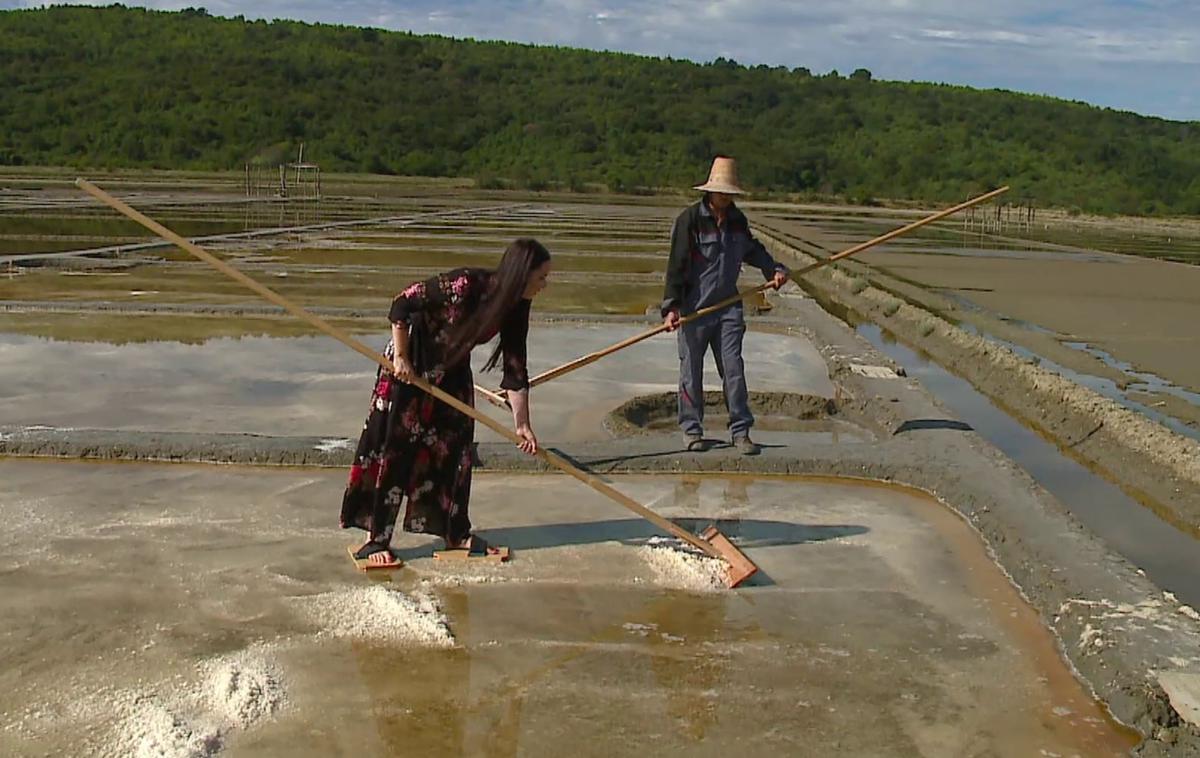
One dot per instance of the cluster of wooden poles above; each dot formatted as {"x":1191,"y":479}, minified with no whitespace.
{"x":711,"y":542}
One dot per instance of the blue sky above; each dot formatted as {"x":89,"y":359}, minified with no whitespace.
{"x":1139,"y":55}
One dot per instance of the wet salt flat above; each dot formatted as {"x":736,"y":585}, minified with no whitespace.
{"x":315,"y":386}
{"x":189,"y":610}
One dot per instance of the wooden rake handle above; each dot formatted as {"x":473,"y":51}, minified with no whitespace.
{"x":567,"y":368}
{"x":902,"y":230}
{"x":593,"y":357}
{"x":233,"y":273}
{"x":553,"y":459}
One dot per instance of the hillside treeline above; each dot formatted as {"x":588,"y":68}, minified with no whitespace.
{"x":124,"y":87}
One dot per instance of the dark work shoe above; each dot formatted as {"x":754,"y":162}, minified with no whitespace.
{"x":746,"y":446}
{"x":696,"y":443}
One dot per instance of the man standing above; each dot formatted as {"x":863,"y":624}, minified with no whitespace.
{"x":709,"y":243}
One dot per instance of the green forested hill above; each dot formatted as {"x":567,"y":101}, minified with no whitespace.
{"x":129,"y":87}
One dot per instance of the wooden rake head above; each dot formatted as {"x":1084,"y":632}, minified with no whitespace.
{"x":739,"y":568}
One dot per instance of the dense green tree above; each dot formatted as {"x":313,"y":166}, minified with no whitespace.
{"x":118,"y":86}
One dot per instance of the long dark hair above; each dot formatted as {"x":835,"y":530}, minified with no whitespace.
{"x":505,"y":290}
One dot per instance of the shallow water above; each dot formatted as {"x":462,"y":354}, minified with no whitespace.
{"x":444,"y":256}
{"x":570,"y":292}
{"x":1146,"y":381}
{"x":187,"y":610}
{"x":1168,"y":555}
{"x":117,"y":227}
{"x":314,"y":386}
{"x":1106,"y":387}
{"x":849,"y":228}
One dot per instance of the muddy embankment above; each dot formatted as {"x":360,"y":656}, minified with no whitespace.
{"x":1155,"y":465}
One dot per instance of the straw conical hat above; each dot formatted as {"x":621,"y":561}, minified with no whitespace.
{"x":722,"y":178}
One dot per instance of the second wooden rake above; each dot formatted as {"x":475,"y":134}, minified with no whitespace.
{"x":582,"y":361}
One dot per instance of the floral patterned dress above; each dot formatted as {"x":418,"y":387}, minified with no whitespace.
{"x":415,"y":449}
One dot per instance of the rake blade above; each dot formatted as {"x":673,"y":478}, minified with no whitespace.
{"x":740,"y":568}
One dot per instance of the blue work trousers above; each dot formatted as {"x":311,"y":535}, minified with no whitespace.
{"x":723,"y":333}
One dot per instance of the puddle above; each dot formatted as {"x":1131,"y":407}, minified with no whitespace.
{"x":1167,"y":555}
{"x":1106,"y":387}
{"x":1146,"y":381}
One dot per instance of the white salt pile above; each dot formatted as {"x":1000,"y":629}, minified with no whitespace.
{"x":150,"y":730}
{"x":680,"y":566}
{"x":381,"y":614}
{"x":234,"y":692}
{"x":244,"y":688}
